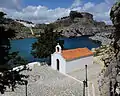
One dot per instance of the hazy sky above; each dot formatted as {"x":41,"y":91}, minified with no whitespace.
{"x":44,"y":11}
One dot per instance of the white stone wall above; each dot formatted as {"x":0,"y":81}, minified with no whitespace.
{"x":62,"y":62}
{"x":29,"y":65}
{"x":78,"y":63}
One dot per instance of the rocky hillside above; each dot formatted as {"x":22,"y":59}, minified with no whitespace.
{"x":21,"y":30}
{"x":104,"y":37}
{"x":76,"y":24}
{"x":80,"y":23}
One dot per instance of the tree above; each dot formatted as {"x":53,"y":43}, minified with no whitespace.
{"x":46,"y":43}
{"x":8,"y":77}
{"x":2,"y":14}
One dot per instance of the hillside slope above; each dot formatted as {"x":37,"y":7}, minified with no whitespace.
{"x":21,"y":30}
{"x":80,"y":23}
{"x":76,"y":24}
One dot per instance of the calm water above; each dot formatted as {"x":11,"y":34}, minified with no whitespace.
{"x":24,"y":45}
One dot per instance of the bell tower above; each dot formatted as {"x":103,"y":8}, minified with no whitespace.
{"x":58,"y":48}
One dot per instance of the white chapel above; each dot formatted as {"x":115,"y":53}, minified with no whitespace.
{"x":66,"y":61}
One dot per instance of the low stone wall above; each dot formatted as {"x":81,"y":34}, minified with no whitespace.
{"x":29,"y":65}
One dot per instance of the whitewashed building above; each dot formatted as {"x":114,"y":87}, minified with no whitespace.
{"x":66,"y":61}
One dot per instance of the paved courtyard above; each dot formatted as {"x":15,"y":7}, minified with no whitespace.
{"x":44,"y":81}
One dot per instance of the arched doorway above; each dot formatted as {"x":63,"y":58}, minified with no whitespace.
{"x":58,"y":62}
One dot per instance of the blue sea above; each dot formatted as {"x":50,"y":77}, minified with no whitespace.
{"x":24,"y":46}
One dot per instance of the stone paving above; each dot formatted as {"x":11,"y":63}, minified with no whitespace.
{"x":44,"y":81}
{"x":93,"y":76}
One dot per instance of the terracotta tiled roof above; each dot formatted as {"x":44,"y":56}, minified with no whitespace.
{"x":76,"y":53}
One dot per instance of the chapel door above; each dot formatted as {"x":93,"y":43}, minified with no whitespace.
{"x":58,"y":64}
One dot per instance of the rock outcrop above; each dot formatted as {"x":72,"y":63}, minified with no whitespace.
{"x":103,"y":37}
{"x":81,"y":23}
{"x":109,"y":84}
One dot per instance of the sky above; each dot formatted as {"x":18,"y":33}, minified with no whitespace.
{"x":46,"y":11}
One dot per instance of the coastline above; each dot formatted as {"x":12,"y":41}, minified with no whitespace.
{"x":25,"y":37}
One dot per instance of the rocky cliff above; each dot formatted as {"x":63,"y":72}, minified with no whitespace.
{"x":109,"y":82}
{"x":80,"y":23}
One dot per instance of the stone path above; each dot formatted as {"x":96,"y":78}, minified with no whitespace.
{"x":93,"y":76}
{"x":44,"y":81}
